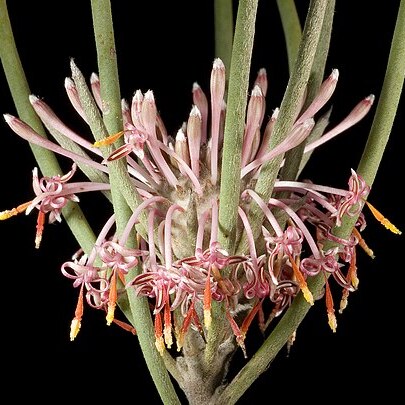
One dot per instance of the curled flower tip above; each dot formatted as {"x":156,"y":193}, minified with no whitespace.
{"x":74,"y":328}
{"x":384,"y":221}
{"x":14,"y":211}
{"x":109,"y":140}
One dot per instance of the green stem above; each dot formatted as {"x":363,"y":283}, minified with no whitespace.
{"x":112,"y":116}
{"x":46,"y":159}
{"x":288,"y":112}
{"x":368,"y":167}
{"x":387,"y":104}
{"x":235,"y":122}
{"x":293,"y":157}
{"x":232,"y":149}
{"x":223,"y":18}
{"x":292,"y":29}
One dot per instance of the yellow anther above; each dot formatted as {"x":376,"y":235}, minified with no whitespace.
{"x":74,"y":328}
{"x":301,"y":282}
{"x":363,"y":244}
{"x":15,"y":211}
{"x":109,"y":140}
{"x":332,"y":321}
{"x":207,"y":318}
{"x":110,"y":313}
{"x":384,"y":221}
{"x":160,"y":344}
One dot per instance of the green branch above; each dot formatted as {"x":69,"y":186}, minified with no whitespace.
{"x":232,"y":150}
{"x":368,"y":167}
{"x":112,"y":116}
{"x":292,"y":29}
{"x":223,"y":22}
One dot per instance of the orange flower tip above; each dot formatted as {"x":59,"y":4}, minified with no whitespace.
{"x":332,"y":321}
{"x":167,"y":332}
{"x":74,"y":328}
{"x":110,"y":314}
{"x":207,"y":318}
{"x":308,"y":295}
{"x":160,"y":344}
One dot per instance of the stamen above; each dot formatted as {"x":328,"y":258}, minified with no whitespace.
{"x":240,"y":337}
{"x":362,"y":243}
{"x":184,"y":328}
{"x":109,"y":140}
{"x":14,"y":211}
{"x":384,"y":221}
{"x":301,"y":281}
{"x":76,"y":322}
{"x":112,"y":298}
{"x":159,"y":342}
{"x":167,"y":331}
{"x":330,"y":309}
{"x":207,"y":301}
{"x":125,"y":326}
{"x":40,"y":228}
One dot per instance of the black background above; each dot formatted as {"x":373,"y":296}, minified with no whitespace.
{"x":166,"y":46}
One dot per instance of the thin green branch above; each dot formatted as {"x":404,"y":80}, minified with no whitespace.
{"x":292,"y":29}
{"x":387,"y":104}
{"x":46,"y":159}
{"x":235,"y":122}
{"x":223,"y":19}
{"x":232,"y":149}
{"x":112,"y":116}
{"x":294,"y":156}
{"x":288,"y":112}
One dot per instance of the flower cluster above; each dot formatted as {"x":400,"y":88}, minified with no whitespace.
{"x":178,"y":262}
